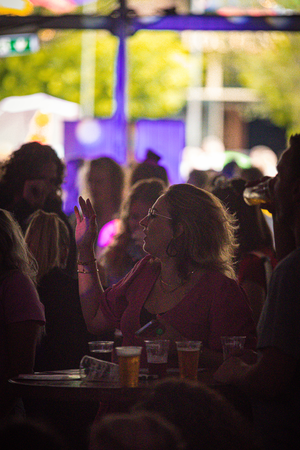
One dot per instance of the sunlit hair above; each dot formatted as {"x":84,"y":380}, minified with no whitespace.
{"x":115,"y":255}
{"x":14,"y":253}
{"x":208,"y":238}
{"x":48,"y":238}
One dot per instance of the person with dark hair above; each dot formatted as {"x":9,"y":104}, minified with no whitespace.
{"x":201,"y":178}
{"x":251,"y":173}
{"x":272,"y":383}
{"x":149,"y":168}
{"x":205,"y":418}
{"x":255,"y":256}
{"x":186,"y":280}
{"x":21,"y":312}
{"x":127,"y":245}
{"x":31,"y":179}
{"x":139,"y":430}
{"x":32,"y":176}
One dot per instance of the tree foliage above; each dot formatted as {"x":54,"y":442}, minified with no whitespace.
{"x":158,"y":72}
{"x":273,"y":72}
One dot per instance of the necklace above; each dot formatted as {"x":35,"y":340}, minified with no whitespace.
{"x":173,"y":287}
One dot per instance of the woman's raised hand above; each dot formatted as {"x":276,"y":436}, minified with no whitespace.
{"x":86,"y":226}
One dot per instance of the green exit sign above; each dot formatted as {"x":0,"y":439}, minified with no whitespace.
{"x":18,"y":44}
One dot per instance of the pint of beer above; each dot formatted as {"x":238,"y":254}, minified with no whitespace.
{"x":129,"y":365}
{"x":102,"y":350}
{"x":188,"y":359}
{"x":258,"y":194}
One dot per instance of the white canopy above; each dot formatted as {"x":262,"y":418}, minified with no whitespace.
{"x":19,"y":120}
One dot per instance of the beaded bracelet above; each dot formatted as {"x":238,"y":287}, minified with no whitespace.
{"x":86,"y":263}
{"x":87,"y":271}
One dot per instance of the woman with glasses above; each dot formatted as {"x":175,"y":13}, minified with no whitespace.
{"x":186,"y":281}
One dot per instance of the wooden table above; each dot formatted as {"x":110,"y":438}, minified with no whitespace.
{"x":80,"y":390}
{"x":71,"y":405}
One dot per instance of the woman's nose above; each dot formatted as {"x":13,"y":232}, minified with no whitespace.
{"x":144,"y":221}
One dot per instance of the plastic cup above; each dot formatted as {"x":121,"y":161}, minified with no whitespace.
{"x":188,"y":359}
{"x":129,"y":365}
{"x":233,"y":346}
{"x":102,"y":350}
{"x":157,"y":357}
{"x":95,"y":370}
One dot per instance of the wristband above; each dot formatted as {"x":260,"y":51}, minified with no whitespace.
{"x":86,"y":263}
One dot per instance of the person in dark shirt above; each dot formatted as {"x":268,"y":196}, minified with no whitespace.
{"x":66,"y":339}
{"x":273,"y":382}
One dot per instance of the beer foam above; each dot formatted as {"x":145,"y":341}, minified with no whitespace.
{"x":128,"y":351}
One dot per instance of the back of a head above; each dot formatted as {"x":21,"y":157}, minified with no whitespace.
{"x":19,"y":434}
{"x":251,"y":174}
{"x":198,"y":178}
{"x":48,"y":237}
{"x":136,"y":431}
{"x":205,"y":418}
{"x":149,"y":168}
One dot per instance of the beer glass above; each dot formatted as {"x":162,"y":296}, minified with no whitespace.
{"x":232,"y":346}
{"x":102,"y":349}
{"x":258,"y":194}
{"x":188,"y":358}
{"x":157,"y":357}
{"x":129,"y":365}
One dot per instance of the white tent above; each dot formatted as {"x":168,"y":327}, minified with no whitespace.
{"x":34,"y":117}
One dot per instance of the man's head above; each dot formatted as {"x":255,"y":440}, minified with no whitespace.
{"x":31,"y":161}
{"x":286,"y":184}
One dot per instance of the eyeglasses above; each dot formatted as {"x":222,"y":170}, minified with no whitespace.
{"x":152,"y":213}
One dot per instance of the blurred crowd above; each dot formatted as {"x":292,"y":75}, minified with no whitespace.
{"x":193,"y":255}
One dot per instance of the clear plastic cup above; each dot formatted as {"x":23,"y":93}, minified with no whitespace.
{"x":102,"y":350}
{"x":233,"y":346}
{"x":92,"y":369}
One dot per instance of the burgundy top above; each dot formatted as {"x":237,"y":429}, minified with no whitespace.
{"x":19,"y":301}
{"x":216,"y":306}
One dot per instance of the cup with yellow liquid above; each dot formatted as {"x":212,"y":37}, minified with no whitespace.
{"x":129,"y":365}
{"x":188,"y":359}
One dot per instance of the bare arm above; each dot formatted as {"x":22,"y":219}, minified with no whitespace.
{"x":90,"y":286}
{"x":267,"y":378}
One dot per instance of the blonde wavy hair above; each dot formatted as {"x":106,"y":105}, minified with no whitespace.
{"x":208,"y":239}
{"x":14,"y":252}
{"x":48,"y":238}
